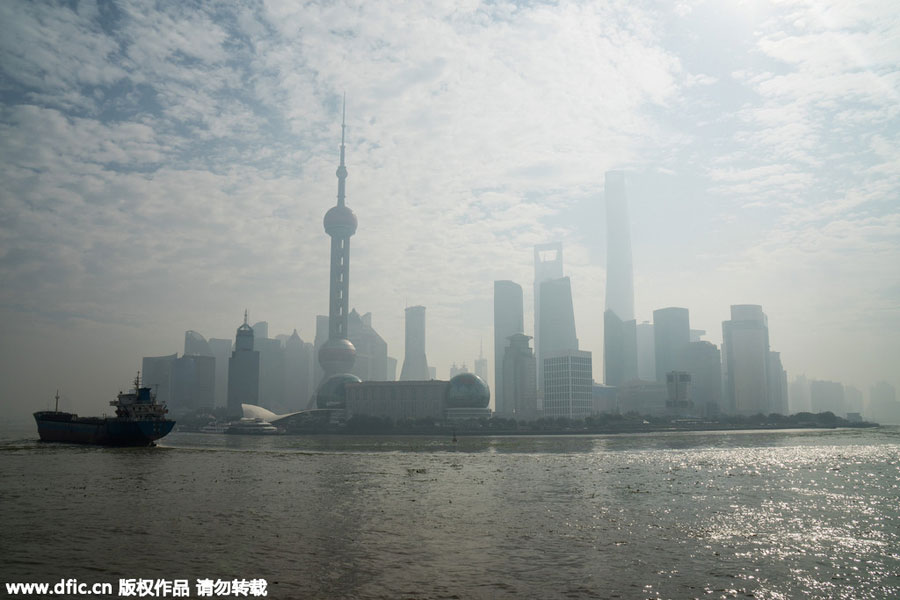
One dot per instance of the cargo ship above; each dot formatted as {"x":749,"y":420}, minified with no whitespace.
{"x":139,"y":421}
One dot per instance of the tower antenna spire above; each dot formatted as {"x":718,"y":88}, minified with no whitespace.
{"x":342,"y":169}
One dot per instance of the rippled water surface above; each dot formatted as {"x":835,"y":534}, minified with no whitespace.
{"x":774,"y":514}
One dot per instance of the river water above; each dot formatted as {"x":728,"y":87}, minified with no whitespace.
{"x":763,"y":514}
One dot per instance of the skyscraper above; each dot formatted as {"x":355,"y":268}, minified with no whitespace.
{"x":338,"y":354}
{"x":671,"y":335}
{"x":548,"y":264}
{"x":745,"y":358}
{"x":243,"y":372}
{"x":415,"y":365}
{"x":519,"y":377}
{"x":619,"y":349}
{"x":481,"y":366}
{"x":567,"y":385}
{"x":557,"y":318}
{"x":508,"y":320}
{"x":704,"y":362}
{"x":371,"y":349}
{"x":620,"y":346}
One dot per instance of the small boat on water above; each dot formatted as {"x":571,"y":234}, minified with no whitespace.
{"x":252,"y":426}
{"x":214,"y":427}
{"x":140,"y":420}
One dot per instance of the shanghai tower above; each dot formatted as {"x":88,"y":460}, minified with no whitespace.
{"x":619,"y":327}
{"x":337,"y":355}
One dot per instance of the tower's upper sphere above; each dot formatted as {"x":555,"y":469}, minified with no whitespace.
{"x":467,"y":390}
{"x":337,"y":355}
{"x":340,"y":222}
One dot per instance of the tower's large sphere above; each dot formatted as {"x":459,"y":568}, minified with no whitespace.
{"x":340,"y":222}
{"x":337,"y":355}
{"x":467,"y":390}
{"x":331,"y":393}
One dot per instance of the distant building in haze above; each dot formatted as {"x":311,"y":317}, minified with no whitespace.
{"x":671,"y":335}
{"x":415,"y":364}
{"x":827,"y":396}
{"x":548,"y":264}
{"x":481,"y":366}
{"x":646,"y":352}
{"x":620,"y":351}
{"x":508,"y":320}
{"x":194,"y":384}
{"x":642,"y":397}
{"x":371,"y":349}
{"x":568,"y":385}
{"x":243,"y":372}
{"x":271,"y":369}
{"x":156,"y":373}
{"x":778,"y":387}
{"x":557,"y":318}
{"x":745,"y":358}
{"x":454,"y":370}
{"x":196,"y":344}
{"x":883,"y":405}
{"x":678,"y":393}
{"x":221,"y":350}
{"x":519,"y":380}
{"x":619,"y":275}
{"x":298,"y":373}
{"x":704,"y":362}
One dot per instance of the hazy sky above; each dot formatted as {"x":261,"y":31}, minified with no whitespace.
{"x":165,"y":167}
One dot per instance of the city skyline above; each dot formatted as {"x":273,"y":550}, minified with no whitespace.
{"x":164,"y":169}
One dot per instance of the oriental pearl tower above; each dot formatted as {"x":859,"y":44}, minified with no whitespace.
{"x":337,"y":355}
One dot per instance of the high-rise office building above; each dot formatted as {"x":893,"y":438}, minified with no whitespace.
{"x":620,"y":346}
{"x":456,"y":370}
{"x":519,"y":377}
{"x":619,"y":283}
{"x":415,"y":364}
{"x":157,"y":374}
{"x":646,"y":352}
{"x":371,"y":349}
{"x":194,"y":384}
{"x":548,"y":264}
{"x":481,"y":365}
{"x":243,"y":372}
{"x":778,"y":391}
{"x":221,"y":350}
{"x":620,"y":350}
{"x":508,"y":320}
{"x":745,"y":360}
{"x":557,"y":317}
{"x":883,"y":404}
{"x":567,"y":385}
{"x":338,"y":354}
{"x":196,"y":344}
{"x":704,"y":362}
{"x":298,"y":373}
{"x":271,"y":368}
{"x":671,"y":335}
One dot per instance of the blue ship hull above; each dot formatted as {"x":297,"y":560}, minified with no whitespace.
{"x":105,"y":431}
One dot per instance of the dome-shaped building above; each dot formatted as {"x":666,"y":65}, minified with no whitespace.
{"x":331,"y":393}
{"x":467,"y":397}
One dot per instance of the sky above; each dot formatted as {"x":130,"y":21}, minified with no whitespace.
{"x":166,"y":166}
